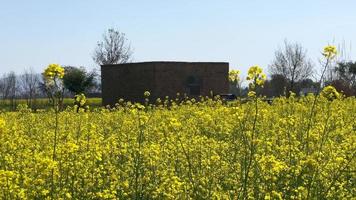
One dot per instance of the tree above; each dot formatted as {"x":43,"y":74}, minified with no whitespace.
{"x":78,"y":80}
{"x":345,"y":77}
{"x":306,"y":86}
{"x":113,"y":49}
{"x":4,"y":87}
{"x":292,"y":63}
{"x":278,"y":84}
{"x":9,"y":87}
{"x":29,"y":83}
{"x":347,"y":72}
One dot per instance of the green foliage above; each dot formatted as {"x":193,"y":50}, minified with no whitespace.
{"x":44,"y":104}
{"x":78,"y":80}
{"x":345,"y":80}
{"x":346,"y":70}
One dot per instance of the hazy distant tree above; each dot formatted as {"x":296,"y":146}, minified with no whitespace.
{"x":9,"y":88}
{"x":8,"y":85}
{"x":347,"y":72}
{"x":4,"y":87}
{"x":278,"y":84}
{"x":113,"y":49}
{"x":29,"y":83}
{"x":343,"y":57}
{"x":78,"y":80}
{"x":292,"y":63}
{"x":96,"y":89}
{"x":43,"y":89}
{"x":342,"y":86}
{"x":306,"y":85}
{"x":345,"y":79}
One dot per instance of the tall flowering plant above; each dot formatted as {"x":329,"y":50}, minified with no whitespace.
{"x":53,"y":83}
{"x":80,"y":101}
{"x":256,"y":77}
{"x":234,"y":80}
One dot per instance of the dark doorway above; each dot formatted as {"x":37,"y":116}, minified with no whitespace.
{"x":193,"y":85}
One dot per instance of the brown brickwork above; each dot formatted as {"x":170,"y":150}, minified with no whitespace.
{"x":129,"y":81}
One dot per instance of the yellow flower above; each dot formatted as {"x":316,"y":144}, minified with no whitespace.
{"x":158,"y":152}
{"x":2,"y":123}
{"x":251,"y":94}
{"x":146,"y":94}
{"x":256,"y":76}
{"x":54,"y":71}
{"x":330,"y":93}
{"x":80,"y":99}
{"x":330,"y":52}
{"x":234,"y":75}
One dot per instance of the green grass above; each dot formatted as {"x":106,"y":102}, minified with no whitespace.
{"x":43,"y":103}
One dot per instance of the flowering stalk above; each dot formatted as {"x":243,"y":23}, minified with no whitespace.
{"x":329,"y":53}
{"x":257,"y":79}
{"x":234,"y":79}
{"x":53,"y":76}
{"x":79,"y":102}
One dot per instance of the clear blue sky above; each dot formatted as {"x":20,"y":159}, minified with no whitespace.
{"x":244,"y":33}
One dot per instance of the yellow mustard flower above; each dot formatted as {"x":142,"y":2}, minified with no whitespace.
{"x":234,"y":75}
{"x":256,"y":76}
{"x":54,"y":71}
{"x":330,"y":51}
{"x":330,"y":93}
{"x":80,"y":99}
{"x":146,"y":94}
{"x":2,"y":123}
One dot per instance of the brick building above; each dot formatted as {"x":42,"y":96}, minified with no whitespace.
{"x":129,"y":81}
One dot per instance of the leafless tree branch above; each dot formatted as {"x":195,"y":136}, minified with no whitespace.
{"x":114,"y":49}
{"x":292,"y":63}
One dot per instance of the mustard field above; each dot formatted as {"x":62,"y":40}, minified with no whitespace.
{"x":294,"y":148}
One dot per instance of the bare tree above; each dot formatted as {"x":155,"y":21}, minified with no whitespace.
{"x":9,"y":86}
{"x":29,"y":83}
{"x":113,"y":49}
{"x":343,"y":57}
{"x":292,"y":63}
{"x":4,"y":87}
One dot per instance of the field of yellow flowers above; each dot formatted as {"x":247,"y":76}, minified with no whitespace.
{"x":293,"y":148}
{"x":183,"y":150}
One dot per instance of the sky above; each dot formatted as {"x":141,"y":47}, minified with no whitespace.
{"x":36,"y":33}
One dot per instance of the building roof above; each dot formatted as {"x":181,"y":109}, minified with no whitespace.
{"x":164,"y":62}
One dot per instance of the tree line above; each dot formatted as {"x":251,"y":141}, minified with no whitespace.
{"x":30,"y":86}
{"x":292,"y":70}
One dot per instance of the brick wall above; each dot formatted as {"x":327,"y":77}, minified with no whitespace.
{"x":129,"y":81}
